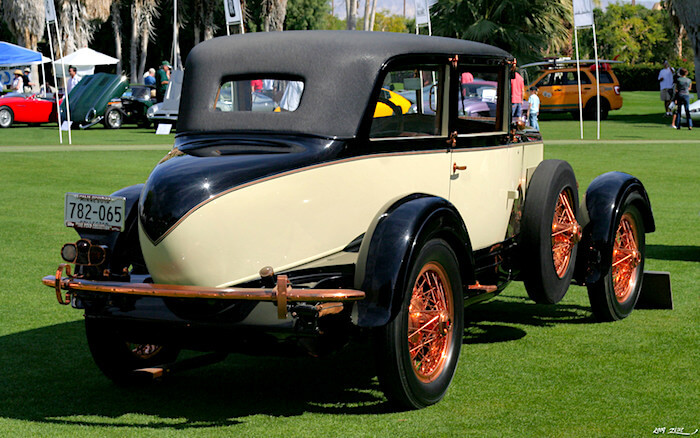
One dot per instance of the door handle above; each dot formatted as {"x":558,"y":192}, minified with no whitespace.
{"x":455,"y":168}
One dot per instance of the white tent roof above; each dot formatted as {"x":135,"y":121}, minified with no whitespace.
{"x":86,"y":57}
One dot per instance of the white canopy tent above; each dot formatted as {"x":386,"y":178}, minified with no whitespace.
{"x":84,"y":61}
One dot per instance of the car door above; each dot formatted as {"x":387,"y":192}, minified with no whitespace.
{"x":485,"y":169}
{"x":552,"y":94}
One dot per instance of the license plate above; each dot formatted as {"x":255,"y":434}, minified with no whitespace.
{"x":95,"y":212}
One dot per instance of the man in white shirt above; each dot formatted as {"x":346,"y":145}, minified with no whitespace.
{"x":73,"y":80}
{"x":534,"y":109}
{"x":666,"y":86}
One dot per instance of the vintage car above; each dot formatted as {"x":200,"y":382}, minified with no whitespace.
{"x":32,"y":109}
{"x":88,"y":101}
{"x":557,"y":82}
{"x":166,"y":112}
{"x":298,"y":230}
{"x":131,"y":107}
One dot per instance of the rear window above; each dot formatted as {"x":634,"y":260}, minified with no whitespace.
{"x":259,"y":95}
{"x":605,"y":77}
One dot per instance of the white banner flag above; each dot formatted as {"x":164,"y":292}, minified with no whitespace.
{"x":232,"y":8}
{"x":50,"y":10}
{"x":583,"y":13}
{"x":422,"y":13}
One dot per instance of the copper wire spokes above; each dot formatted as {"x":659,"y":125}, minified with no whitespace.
{"x":626,"y":259}
{"x":566,"y":233}
{"x":430,"y":322}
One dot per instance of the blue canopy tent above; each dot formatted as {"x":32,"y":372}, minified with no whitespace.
{"x":11,"y":55}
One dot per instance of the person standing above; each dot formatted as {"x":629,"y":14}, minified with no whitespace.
{"x":517,"y":88}
{"x":150,"y":78}
{"x":18,"y":82}
{"x":534,"y":109}
{"x":162,"y":80}
{"x":683,"y":95}
{"x":73,"y":80}
{"x":666,"y":85}
{"x":28,"y":84}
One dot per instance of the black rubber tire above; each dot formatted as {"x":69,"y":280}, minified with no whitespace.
{"x":113,"y":119}
{"x":114,"y":356}
{"x":604,"y":303}
{"x":399,"y":381}
{"x":538,"y":272}
{"x":590,"y":109}
{"x":6,"y":117}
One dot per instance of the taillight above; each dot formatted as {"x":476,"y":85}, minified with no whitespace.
{"x":617,"y":89}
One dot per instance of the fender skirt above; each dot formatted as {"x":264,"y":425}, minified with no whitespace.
{"x":602,"y":202}
{"x":393,"y":239}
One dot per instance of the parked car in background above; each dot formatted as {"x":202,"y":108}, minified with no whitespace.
{"x":90,"y":98}
{"x":166,"y":112}
{"x":557,"y":81}
{"x":32,"y":109}
{"x":131,"y":107}
{"x":300,"y":230}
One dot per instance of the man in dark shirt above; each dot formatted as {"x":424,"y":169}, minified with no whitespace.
{"x":162,"y":80}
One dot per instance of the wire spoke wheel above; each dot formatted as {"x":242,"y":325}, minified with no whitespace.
{"x":626,"y":259}
{"x":566,"y":233}
{"x":144,"y":351}
{"x":431,"y":313}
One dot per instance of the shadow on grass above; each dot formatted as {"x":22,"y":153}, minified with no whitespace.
{"x":674,"y":253}
{"x":48,"y":376}
{"x":490,"y":322}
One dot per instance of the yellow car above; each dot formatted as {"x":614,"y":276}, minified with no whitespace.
{"x":558,"y":88}
{"x":389,"y":103}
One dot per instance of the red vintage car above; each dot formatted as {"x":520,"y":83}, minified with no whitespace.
{"x":35,"y":108}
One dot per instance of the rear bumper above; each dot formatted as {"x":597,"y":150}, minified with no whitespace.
{"x":281,"y":294}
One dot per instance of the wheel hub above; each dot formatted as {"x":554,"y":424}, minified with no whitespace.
{"x":626,"y":259}
{"x":566,"y":233}
{"x":430,"y":322}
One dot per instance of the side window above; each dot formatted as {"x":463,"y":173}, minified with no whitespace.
{"x":480,"y":99}
{"x":546,"y":81}
{"x":571,"y":78}
{"x":409,"y":103}
{"x":605,"y":77}
{"x":262,"y":94}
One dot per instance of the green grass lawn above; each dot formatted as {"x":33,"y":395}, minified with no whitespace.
{"x":526,"y":370}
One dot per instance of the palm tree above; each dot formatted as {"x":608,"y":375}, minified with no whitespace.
{"x":25,"y":19}
{"x":143,"y":12}
{"x":274,"y":12}
{"x":116,"y":20}
{"x":77,"y":20}
{"x":526,"y":28}
{"x":689,"y":15}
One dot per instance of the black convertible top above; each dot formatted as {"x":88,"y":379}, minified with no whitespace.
{"x":339,"y":69}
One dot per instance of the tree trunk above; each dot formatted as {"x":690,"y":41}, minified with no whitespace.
{"x":197,"y":20}
{"x":274,"y":12}
{"x":208,"y":19}
{"x":351,"y":7}
{"x":689,"y":15}
{"x":135,"y":33}
{"x":365,"y":24}
{"x":373,"y":14}
{"x":144,"y":53}
{"x":678,"y":44}
{"x":117,"y":28}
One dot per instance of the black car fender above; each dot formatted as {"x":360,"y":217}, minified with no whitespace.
{"x":123,"y":247}
{"x":601,"y":206}
{"x":393,"y":239}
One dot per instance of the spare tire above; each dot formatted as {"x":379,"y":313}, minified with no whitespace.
{"x":549,"y":232}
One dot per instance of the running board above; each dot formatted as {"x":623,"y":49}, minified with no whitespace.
{"x":483,"y":288}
